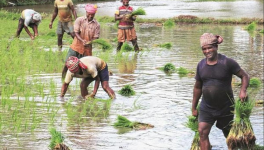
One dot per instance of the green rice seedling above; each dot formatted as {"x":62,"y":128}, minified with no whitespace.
{"x":169,"y":23}
{"x":126,"y":47}
{"x":241,"y":135}
{"x":139,"y":11}
{"x":127,"y":90}
{"x":105,"y":45}
{"x":124,"y":122}
{"x":168,"y":68}
{"x":254,"y":82}
{"x":251,"y":27}
{"x":258,"y":147}
{"x":182,"y":71}
{"x":56,"y":141}
{"x":165,"y":45}
{"x":261,"y":31}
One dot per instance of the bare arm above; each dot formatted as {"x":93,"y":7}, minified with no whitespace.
{"x":64,"y":89}
{"x":73,"y":12}
{"x":244,"y":84}
{"x":96,"y":85}
{"x":77,"y":35}
{"x":197,"y":93}
{"x":54,"y":15}
{"x":118,"y":17}
{"x":28,"y":32}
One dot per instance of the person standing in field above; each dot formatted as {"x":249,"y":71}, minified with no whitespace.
{"x":126,"y":30}
{"x":29,"y":18}
{"x":213,"y":82}
{"x":86,"y":68}
{"x":65,"y":9}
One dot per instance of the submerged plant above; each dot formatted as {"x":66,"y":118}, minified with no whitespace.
{"x":57,"y":140}
{"x":169,"y":23}
{"x":254,"y":82}
{"x":127,"y":90}
{"x":126,"y":47}
{"x":241,"y":134}
{"x":124,"y":122}
{"x":251,"y":27}
{"x":105,"y":45}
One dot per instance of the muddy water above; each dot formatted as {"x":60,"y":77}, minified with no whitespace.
{"x":161,"y":100}
{"x":172,"y":8}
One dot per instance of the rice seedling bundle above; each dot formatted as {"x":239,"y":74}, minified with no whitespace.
{"x":124,"y":122}
{"x":127,"y":90}
{"x":241,"y":134}
{"x":261,"y":31}
{"x":169,"y":67}
{"x":254,"y":82}
{"x":139,"y":11}
{"x":251,"y":27}
{"x":57,"y":139}
{"x":169,"y":23}
{"x":126,"y":47}
{"x":193,"y":125}
{"x":105,"y":45}
{"x":182,"y":71}
{"x":165,"y":45}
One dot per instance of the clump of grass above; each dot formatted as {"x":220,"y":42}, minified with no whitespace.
{"x":51,"y":34}
{"x":57,"y":140}
{"x":261,"y":31}
{"x":241,"y":135}
{"x":105,"y":45}
{"x":169,"y":68}
{"x":126,"y":47}
{"x":124,"y":122}
{"x":139,"y":11}
{"x":251,"y":27}
{"x":165,"y":45}
{"x":254,"y":82}
{"x":258,"y":147}
{"x":127,"y":90}
{"x":169,"y":23}
{"x":182,"y":71}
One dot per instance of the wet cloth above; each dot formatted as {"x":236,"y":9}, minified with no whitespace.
{"x":94,"y":66}
{"x":27,"y":16}
{"x":217,"y":94}
{"x":64,"y":11}
{"x":88,"y":31}
{"x":126,"y":35}
{"x":64,"y":27}
{"x":124,"y":23}
{"x":210,"y":39}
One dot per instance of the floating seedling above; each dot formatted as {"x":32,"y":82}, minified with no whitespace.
{"x":254,"y":82}
{"x":251,"y":27}
{"x":169,"y":23}
{"x":57,"y":139}
{"x":127,"y":90}
{"x":182,"y":71}
{"x":165,"y":45}
{"x":261,"y":31}
{"x":168,"y":68}
{"x":105,"y":45}
{"x":124,"y":122}
{"x":126,"y":47}
{"x":241,"y":135}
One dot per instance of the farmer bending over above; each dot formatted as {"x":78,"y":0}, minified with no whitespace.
{"x":89,"y":68}
{"x":29,"y":18}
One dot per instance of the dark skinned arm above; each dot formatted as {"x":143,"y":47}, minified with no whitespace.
{"x":64,"y":89}
{"x":244,"y":84}
{"x":28,"y":32}
{"x":73,"y":12}
{"x":96,"y":86}
{"x":54,"y":15}
{"x":197,"y":93}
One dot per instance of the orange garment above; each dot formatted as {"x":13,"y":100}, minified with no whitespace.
{"x":126,"y":34}
{"x":64,"y":11}
{"x":87,"y":31}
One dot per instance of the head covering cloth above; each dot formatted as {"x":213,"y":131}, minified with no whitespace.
{"x":90,"y":8}
{"x":210,"y":39}
{"x":73,"y":64}
{"x":37,"y":17}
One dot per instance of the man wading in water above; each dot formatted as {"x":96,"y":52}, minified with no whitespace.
{"x":126,"y":30}
{"x":213,"y":83}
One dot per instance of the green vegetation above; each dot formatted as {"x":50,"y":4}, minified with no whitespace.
{"x":124,"y":122}
{"x":165,"y":45}
{"x":139,"y":11}
{"x":126,"y":47}
{"x":169,"y":23}
{"x":251,"y":27}
{"x":254,"y":82}
{"x":169,"y":68}
{"x":182,"y":71}
{"x":57,"y":139}
{"x":105,"y":45}
{"x":241,"y":134}
{"x":261,"y":31}
{"x":127,"y":90}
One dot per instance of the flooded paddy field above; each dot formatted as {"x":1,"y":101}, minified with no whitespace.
{"x":30,"y":102}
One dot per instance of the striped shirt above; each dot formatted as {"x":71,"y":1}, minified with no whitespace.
{"x":124,"y":24}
